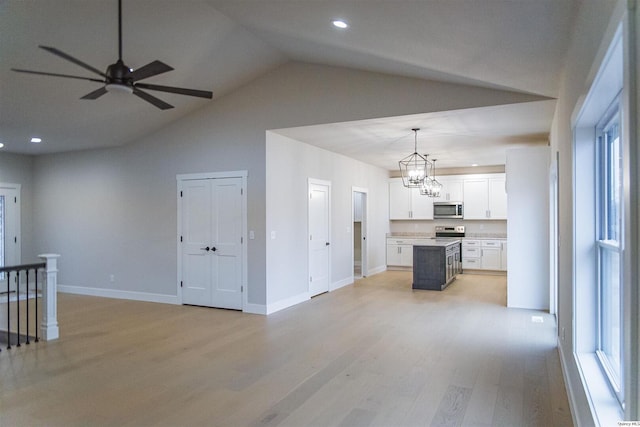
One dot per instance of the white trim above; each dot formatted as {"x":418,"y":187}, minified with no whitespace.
{"x":212,"y":175}
{"x":255,"y":309}
{"x":573,"y":402}
{"x":364,"y":267}
{"x":18,"y":189}
{"x":377,"y":270}
{"x":118,"y":294}
{"x":341,"y":283}
{"x":286,"y":303}
{"x":310,"y":182}
{"x":243,"y":174}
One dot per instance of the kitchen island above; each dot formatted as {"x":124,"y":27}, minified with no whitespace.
{"x":436,"y":263}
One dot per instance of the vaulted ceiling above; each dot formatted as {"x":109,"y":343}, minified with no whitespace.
{"x":219,"y":45}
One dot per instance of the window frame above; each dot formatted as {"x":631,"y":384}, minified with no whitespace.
{"x":605,"y":242}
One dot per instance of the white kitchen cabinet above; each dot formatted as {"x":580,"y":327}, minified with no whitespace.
{"x":400,"y":255}
{"x":408,"y":203}
{"x":400,"y":251}
{"x":497,"y":197}
{"x":471,"y":254}
{"x":451,"y":189}
{"x":503,"y":262}
{"x":485,"y":197}
{"x":491,"y":259}
{"x":483,"y":254}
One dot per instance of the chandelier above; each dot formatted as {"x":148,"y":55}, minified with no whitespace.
{"x":418,"y":172}
{"x":430,"y":185}
{"x":414,"y":167}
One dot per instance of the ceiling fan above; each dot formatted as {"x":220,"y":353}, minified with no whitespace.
{"x":120,"y":78}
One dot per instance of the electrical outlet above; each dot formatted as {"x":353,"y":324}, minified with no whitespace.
{"x":112,"y":278}
{"x":562,"y":334}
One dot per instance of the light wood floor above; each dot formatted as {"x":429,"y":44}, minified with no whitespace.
{"x":372,"y":354}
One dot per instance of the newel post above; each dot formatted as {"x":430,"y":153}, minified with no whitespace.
{"x":49,"y":325}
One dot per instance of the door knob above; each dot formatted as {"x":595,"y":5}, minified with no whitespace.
{"x":205,"y":249}
{"x":214,"y":249}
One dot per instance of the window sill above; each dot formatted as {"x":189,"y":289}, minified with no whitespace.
{"x":604,"y":405}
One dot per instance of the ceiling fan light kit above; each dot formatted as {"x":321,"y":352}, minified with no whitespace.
{"x":118,"y":88}
{"x":120,"y":78}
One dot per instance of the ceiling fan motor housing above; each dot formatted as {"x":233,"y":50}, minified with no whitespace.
{"x":119,"y":73}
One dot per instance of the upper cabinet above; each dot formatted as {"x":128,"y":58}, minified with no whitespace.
{"x":485,"y":197}
{"x":451,"y":189}
{"x":408,"y":203}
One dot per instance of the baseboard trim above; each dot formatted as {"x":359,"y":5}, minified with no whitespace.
{"x":118,"y":294}
{"x":376,"y":270}
{"x":565,"y":374}
{"x":286,"y":303}
{"x":341,"y":283}
{"x":255,"y":309}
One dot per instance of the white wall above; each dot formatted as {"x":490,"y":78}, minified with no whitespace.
{"x":113,"y":211}
{"x":289,"y":165}
{"x":592,"y":33}
{"x":18,"y":169}
{"x":528,"y":228}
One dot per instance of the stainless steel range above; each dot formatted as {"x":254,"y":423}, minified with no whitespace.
{"x":444,"y":231}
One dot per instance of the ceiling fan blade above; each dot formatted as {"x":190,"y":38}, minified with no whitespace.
{"x":70,"y":58}
{"x":151,"y":99}
{"x":178,"y":90}
{"x":152,"y":69}
{"x":42,"y":73}
{"x":96,"y":93}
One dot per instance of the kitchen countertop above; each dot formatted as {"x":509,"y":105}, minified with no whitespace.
{"x":441,"y":242}
{"x":401,"y":235}
{"x":485,"y":236}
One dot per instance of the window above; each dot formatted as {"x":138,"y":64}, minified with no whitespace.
{"x":609,"y":246}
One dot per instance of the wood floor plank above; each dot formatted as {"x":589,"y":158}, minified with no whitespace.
{"x":373,"y":354}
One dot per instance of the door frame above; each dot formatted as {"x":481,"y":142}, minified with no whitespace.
{"x":17,"y":190}
{"x":310,"y":182}
{"x":364,"y":270}
{"x":180,"y":178}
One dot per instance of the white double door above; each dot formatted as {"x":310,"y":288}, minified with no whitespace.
{"x":212,"y":226}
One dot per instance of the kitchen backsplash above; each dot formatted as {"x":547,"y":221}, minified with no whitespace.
{"x":493,"y":228}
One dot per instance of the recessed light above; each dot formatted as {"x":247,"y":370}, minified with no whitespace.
{"x":339,"y":23}
{"x":474,"y":165}
{"x":36,"y":140}
{"x":1,"y":145}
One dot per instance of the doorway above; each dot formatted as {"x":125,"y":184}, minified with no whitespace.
{"x":359,"y":232}
{"x":211,"y":229}
{"x":319,"y":236}
{"x":9,"y":226}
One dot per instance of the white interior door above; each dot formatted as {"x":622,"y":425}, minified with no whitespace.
{"x":211,"y":235}
{"x":226,"y":250}
{"x":319,"y":237}
{"x":9,"y":225}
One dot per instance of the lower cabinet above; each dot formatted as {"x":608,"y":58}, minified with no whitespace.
{"x":399,"y":255}
{"x":435,"y":267}
{"x":400,"y":251}
{"x":484,"y":254}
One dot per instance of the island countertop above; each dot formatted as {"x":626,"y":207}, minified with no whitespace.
{"x":439,"y":242}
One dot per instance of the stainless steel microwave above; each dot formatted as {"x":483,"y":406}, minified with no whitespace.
{"x":447,"y":210}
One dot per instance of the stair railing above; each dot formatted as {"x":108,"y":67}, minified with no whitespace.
{"x":47,"y":286}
